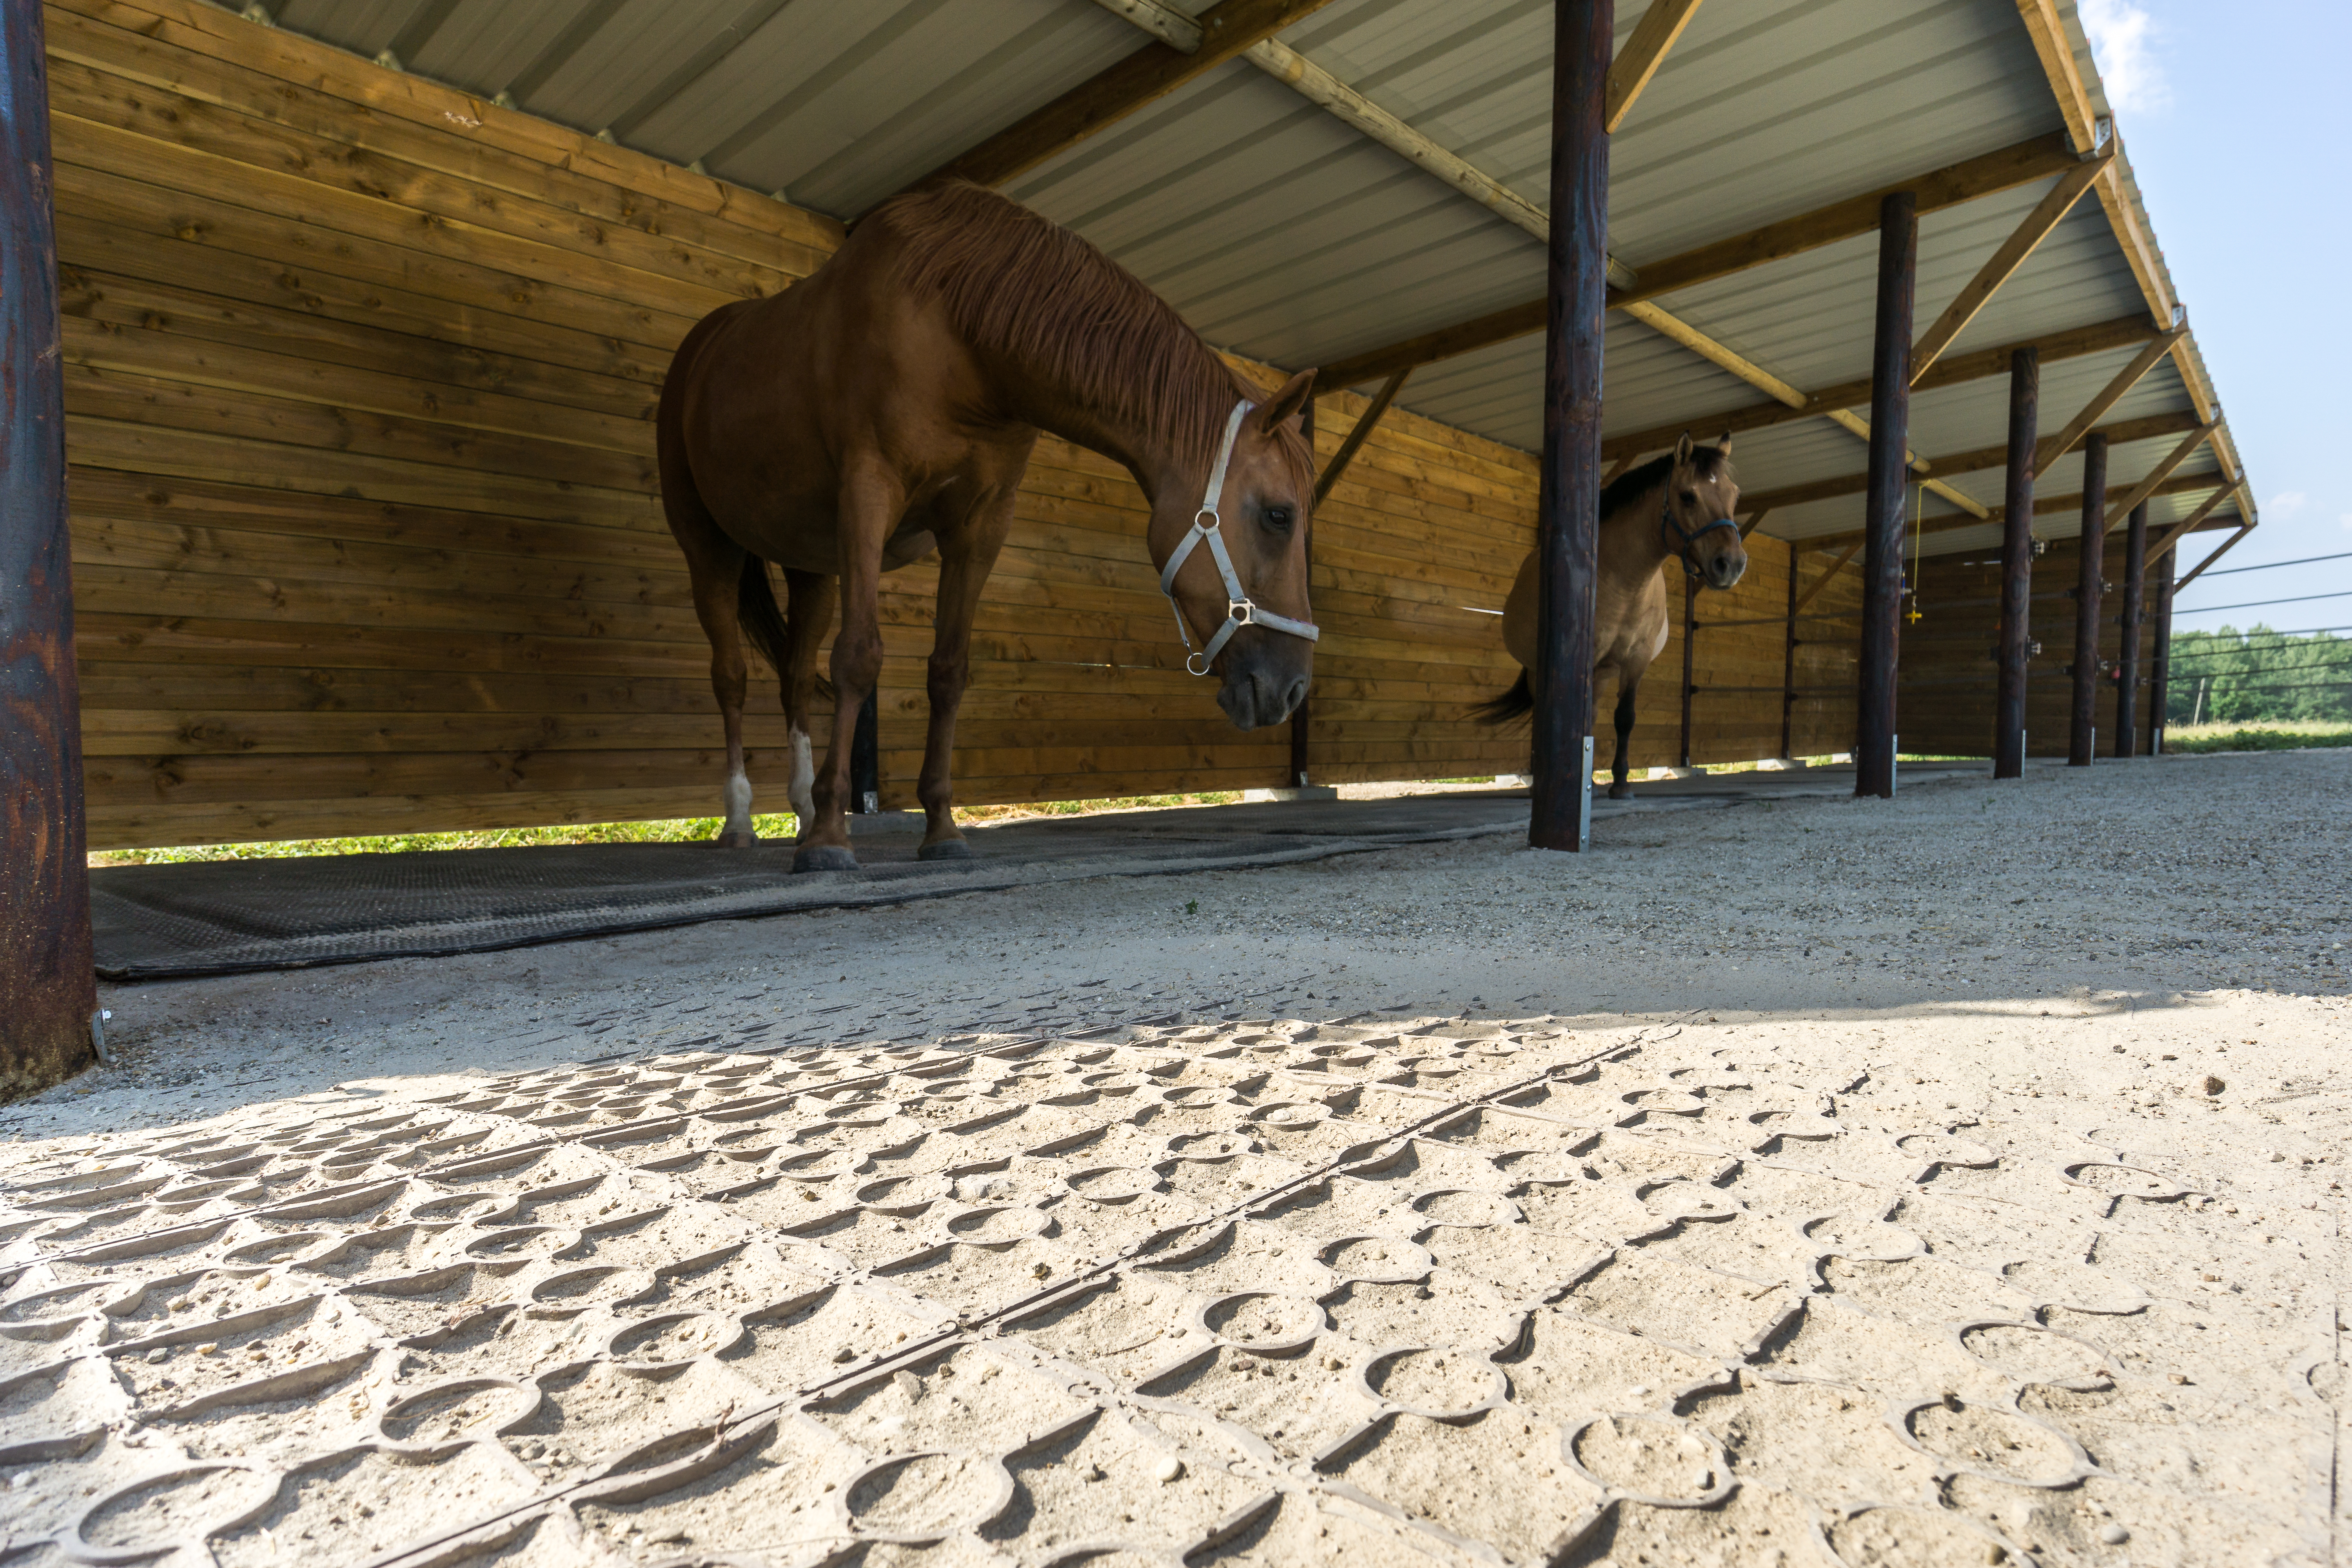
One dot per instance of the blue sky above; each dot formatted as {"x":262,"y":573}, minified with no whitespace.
{"x":2234,"y":115}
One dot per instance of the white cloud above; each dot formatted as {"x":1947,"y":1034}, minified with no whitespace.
{"x":2122,"y":38}
{"x":2286,"y":503}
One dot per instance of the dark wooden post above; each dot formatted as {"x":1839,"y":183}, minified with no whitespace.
{"x":1300,"y":716}
{"x":2160,"y":673}
{"x":865,"y":756}
{"x":1690,"y":651}
{"x":1890,"y":436}
{"x":49,"y":990}
{"x":1789,"y":665}
{"x":1567,"y":503}
{"x":2083,"y":730}
{"x":2017,"y":564}
{"x":2127,"y":660}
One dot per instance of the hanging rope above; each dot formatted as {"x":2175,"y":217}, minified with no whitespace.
{"x":1919,"y":509}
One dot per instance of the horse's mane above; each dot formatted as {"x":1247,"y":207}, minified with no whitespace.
{"x":1016,"y":283}
{"x":1707,"y":463}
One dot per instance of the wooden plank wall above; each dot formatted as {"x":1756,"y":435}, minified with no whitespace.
{"x":362,"y":373}
{"x":1948,"y":677}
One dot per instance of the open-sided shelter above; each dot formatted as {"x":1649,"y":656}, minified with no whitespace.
{"x":365,"y":306}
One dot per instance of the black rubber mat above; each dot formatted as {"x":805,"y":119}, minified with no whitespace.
{"x":226,"y":917}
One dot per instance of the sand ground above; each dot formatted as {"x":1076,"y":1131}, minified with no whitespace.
{"x":1953,"y":1178}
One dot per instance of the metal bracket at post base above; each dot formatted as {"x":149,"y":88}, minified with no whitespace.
{"x":1584,"y":799}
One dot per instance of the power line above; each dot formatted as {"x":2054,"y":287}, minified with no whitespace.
{"x":2273,"y":565}
{"x":2258,"y":604}
{"x":2273,"y":669}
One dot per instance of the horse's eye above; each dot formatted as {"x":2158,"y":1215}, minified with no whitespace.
{"x":1277,"y":518}
{"x":1690,"y":496}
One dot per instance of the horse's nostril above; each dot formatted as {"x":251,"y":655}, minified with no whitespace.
{"x":1295,"y":696}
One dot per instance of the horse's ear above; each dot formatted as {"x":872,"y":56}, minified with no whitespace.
{"x":1285,"y":403}
{"x":1723,"y":444}
{"x":1682,"y":450}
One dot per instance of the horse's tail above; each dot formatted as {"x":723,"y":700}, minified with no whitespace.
{"x":762,"y":618}
{"x":763,"y":621}
{"x":1516,"y":703}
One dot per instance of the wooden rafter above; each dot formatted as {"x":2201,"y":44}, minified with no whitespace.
{"x":2190,"y":524}
{"x":2158,"y":474}
{"x":2046,"y":215}
{"x":1974,"y":461}
{"x":1638,"y":61}
{"x":1227,"y":28}
{"x":2102,"y":337}
{"x":2226,"y":545}
{"x":1366,"y":423}
{"x":2049,"y":449}
{"x":1940,"y":188}
{"x":2044,"y":506}
{"x":1822,"y":580}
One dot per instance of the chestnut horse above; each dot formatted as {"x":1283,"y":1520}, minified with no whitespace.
{"x":887,"y":407}
{"x":1680,"y":505}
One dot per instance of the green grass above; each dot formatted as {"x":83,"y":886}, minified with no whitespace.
{"x":781,"y":826}
{"x":2260,"y":735}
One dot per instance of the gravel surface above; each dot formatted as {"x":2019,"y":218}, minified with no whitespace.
{"x":1954,"y":1179}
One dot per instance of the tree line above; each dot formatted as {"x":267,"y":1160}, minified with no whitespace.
{"x":2237,"y":676}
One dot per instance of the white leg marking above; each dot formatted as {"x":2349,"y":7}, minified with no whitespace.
{"x":738,"y":804}
{"x":801,"y":791}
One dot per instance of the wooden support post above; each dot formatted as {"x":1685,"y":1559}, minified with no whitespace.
{"x":1301,"y":716}
{"x":2127,"y":661}
{"x":1789,"y":665}
{"x":1567,"y":504}
{"x":866,"y":757}
{"x":2160,"y":673}
{"x":2083,"y":728}
{"x":48,"y":989}
{"x":1890,"y":433}
{"x":2017,"y":565}
{"x":1690,"y":651}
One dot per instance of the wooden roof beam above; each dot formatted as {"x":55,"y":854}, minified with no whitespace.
{"x":2226,"y":545}
{"x":1998,"y":267}
{"x":2102,"y":337}
{"x":2049,"y":449}
{"x":1975,"y":461}
{"x":2161,"y":472}
{"x":1227,"y":29}
{"x":2042,"y":505}
{"x":1638,"y":61}
{"x":2190,"y":524}
{"x":1940,"y":188}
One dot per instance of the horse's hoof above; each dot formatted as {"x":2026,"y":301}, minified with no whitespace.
{"x":945,"y":849}
{"x":824,"y":857}
{"x":738,"y":838}
{"x":1620,"y":791}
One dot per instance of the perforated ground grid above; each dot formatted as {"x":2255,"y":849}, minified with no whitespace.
{"x":1278,"y":1292}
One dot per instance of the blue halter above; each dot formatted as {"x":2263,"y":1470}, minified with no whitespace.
{"x":1689,"y":536}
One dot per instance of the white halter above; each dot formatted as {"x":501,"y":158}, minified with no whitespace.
{"x":1239,"y":611}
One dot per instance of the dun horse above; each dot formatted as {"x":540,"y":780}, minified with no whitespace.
{"x":1680,"y":505}
{"x":887,"y":407}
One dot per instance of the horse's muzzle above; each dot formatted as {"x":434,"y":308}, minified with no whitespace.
{"x":1727,"y":569}
{"x":1257,"y":698}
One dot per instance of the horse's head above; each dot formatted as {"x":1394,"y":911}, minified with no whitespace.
{"x":1702,"y":498}
{"x":1236,"y":567}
